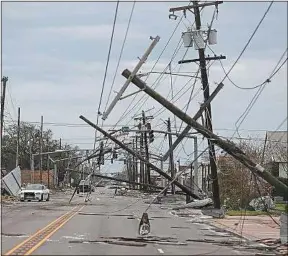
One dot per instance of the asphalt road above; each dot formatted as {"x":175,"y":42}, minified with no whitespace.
{"x":103,"y":218}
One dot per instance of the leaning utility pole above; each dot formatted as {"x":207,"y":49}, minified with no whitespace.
{"x":152,"y":166}
{"x":147,"y":173}
{"x":41,"y":146}
{"x":18,"y":138}
{"x":205,"y":84}
{"x":226,"y":145}
{"x":134,"y":72}
{"x":4,"y":81}
{"x":171,"y":157}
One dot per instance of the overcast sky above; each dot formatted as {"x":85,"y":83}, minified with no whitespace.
{"x":55,"y":55}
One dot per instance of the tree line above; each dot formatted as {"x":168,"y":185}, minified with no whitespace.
{"x":29,"y":143}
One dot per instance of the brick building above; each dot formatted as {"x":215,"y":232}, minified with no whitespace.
{"x":27,"y":177}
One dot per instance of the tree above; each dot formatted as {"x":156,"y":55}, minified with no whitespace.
{"x":238,"y":185}
{"x":29,"y":144}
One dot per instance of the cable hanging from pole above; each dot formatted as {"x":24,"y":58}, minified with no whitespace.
{"x":106,"y":68}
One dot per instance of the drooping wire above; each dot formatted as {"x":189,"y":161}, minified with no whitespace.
{"x":121,"y":52}
{"x":248,"y":42}
{"x":106,"y":69}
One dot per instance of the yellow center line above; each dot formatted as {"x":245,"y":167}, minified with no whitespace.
{"x":41,"y":231}
{"x":52,"y":232}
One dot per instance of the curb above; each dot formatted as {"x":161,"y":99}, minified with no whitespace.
{"x":229,"y":230}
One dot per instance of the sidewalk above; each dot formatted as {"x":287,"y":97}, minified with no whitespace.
{"x":254,"y":228}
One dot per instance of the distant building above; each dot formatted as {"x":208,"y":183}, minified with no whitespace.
{"x":276,"y":159}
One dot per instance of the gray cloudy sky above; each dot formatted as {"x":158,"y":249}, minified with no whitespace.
{"x":55,"y":54}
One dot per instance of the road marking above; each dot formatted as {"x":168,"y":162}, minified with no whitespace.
{"x":51,"y":233}
{"x":43,"y":234}
{"x":160,"y":250}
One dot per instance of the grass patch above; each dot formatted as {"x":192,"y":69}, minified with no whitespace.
{"x":280,"y":207}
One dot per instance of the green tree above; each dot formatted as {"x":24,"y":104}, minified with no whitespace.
{"x":29,"y":144}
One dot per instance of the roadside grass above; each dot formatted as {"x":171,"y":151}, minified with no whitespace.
{"x":279,"y":208}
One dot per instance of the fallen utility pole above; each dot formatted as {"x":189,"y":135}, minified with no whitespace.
{"x":196,"y":116}
{"x":152,"y":166}
{"x":226,"y":145}
{"x":128,"y":81}
{"x":127,"y":181}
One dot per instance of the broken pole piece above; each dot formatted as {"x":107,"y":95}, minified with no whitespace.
{"x":152,"y":166}
{"x":226,"y":145}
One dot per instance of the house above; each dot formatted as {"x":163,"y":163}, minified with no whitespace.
{"x":276,"y":158}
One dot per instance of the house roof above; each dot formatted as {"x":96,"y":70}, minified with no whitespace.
{"x":276,"y":146}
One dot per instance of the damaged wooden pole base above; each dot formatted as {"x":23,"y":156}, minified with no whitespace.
{"x":144,"y":225}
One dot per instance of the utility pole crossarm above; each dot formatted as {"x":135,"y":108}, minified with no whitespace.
{"x":226,"y":145}
{"x":134,"y":72}
{"x":196,"y":116}
{"x":189,"y":7}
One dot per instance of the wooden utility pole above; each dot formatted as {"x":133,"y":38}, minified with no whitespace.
{"x":147,"y":173}
{"x":142,"y":171}
{"x":134,"y":164}
{"x":4,"y":83}
{"x":41,"y":148}
{"x":18,"y":138}
{"x":141,"y":158}
{"x":136,"y":160}
{"x":226,"y":145}
{"x":205,"y":85}
{"x":171,"y":157}
{"x":208,"y":113}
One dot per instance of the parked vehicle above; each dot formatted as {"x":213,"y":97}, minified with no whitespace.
{"x":84,"y":186}
{"x":34,"y":192}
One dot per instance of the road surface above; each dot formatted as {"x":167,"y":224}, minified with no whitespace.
{"x":93,"y":228}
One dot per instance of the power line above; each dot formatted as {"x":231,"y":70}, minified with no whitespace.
{"x":106,"y":68}
{"x":121,"y":52}
{"x":247,"y":44}
{"x":255,"y":98}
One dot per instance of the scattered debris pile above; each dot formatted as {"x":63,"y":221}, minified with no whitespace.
{"x":262,"y":203}
{"x":8,"y":199}
{"x":137,"y":241}
{"x":271,"y":246}
{"x":196,"y":204}
{"x":281,"y":249}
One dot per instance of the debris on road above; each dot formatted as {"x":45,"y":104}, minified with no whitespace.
{"x":105,"y":214}
{"x":195,"y":204}
{"x":110,"y":242}
{"x":130,"y":241}
{"x":149,"y":239}
{"x":144,"y":225}
{"x":181,"y":227}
